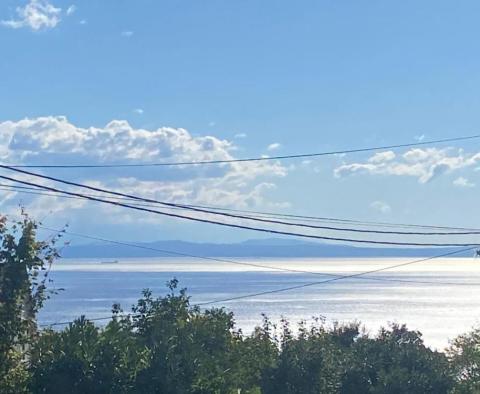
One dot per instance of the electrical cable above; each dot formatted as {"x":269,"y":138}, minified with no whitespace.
{"x":277,"y":222}
{"x":251,"y":159}
{"x":239,"y":226}
{"x":253,"y":213}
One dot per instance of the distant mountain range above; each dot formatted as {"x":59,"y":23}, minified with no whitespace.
{"x":272,"y":247}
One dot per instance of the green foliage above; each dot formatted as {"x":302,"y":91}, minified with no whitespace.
{"x":191,"y":351}
{"x":396,"y":361}
{"x":15,"y":375}
{"x":168,"y":346}
{"x":84,"y":359}
{"x":24,"y":267}
{"x":464,"y":354}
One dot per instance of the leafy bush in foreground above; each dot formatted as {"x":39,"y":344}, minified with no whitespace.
{"x":168,"y":346}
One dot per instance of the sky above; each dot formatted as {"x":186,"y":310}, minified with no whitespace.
{"x":150,"y":81}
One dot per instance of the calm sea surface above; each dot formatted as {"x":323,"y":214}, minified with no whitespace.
{"x":440,"y":312}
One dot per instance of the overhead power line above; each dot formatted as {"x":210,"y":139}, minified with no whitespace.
{"x":303,"y":218}
{"x":250,"y":159}
{"x":323,"y":219}
{"x":277,"y":222}
{"x":259,"y":218}
{"x":231,"y":225}
{"x":343,"y":277}
{"x":284,"y":289}
{"x":262,"y":214}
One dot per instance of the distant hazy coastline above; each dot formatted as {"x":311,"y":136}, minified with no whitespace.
{"x":254,"y":248}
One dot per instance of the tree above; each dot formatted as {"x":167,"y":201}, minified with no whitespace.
{"x":396,"y":361}
{"x":24,"y":268}
{"x":312,"y":361}
{"x":464,"y":355}
{"x":165,"y":346}
{"x":191,"y":350}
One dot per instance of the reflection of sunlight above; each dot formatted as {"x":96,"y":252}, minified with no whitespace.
{"x":440,"y":312}
{"x":340,"y":265}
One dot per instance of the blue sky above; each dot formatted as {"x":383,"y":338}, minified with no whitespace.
{"x":231,"y":79}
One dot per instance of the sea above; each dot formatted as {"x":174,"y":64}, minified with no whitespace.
{"x":440,"y":298}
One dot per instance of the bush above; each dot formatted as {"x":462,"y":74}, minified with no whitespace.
{"x":168,"y":346}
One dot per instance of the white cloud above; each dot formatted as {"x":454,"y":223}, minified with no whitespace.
{"x":424,"y":164}
{"x":382,"y":157}
{"x":273,"y":146}
{"x":138,"y":111}
{"x":127,"y":33}
{"x":53,"y":140}
{"x":420,"y":138}
{"x":225,"y":192}
{"x":57,"y":136}
{"x":83,"y":22}
{"x":240,"y":135}
{"x":381,"y":206}
{"x":463,"y":182}
{"x":37,"y":15}
{"x":71,"y":9}
{"x":41,"y":205}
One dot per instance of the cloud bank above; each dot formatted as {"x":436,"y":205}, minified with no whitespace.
{"x":423,"y":164}
{"x":55,"y":140}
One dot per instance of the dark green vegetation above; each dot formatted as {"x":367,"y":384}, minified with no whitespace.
{"x":168,"y":346}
